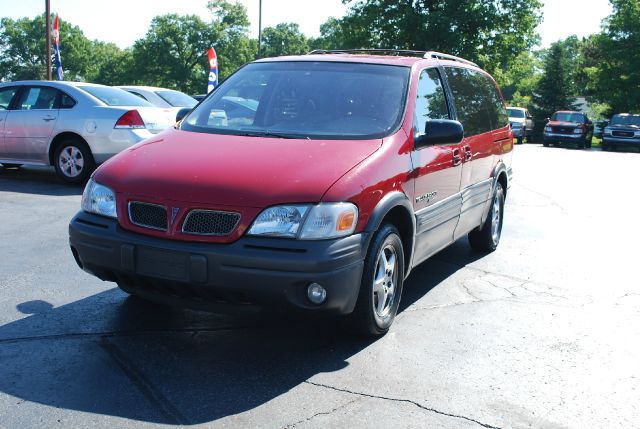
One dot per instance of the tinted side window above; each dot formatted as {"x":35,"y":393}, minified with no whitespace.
{"x":37,"y":98}
{"x":66,"y":102}
{"x":478,"y":104}
{"x":498,"y":111}
{"x":6,"y":95}
{"x":430,"y":101}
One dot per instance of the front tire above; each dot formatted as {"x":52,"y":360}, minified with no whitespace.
{"x":486,"y":238}
{"x":73,"y":161}
{"x":381,"y":285}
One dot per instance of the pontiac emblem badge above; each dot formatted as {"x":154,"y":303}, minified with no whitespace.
{"x":174,"y":213}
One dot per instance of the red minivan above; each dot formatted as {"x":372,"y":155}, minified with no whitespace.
{"x":313,"y":182}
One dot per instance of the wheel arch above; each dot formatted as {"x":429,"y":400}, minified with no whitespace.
{"x":58,"y":139}
{"x":396,"y":208}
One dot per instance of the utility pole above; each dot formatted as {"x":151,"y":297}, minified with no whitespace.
{"x":260,"y":28}
{"x":48,"y":36}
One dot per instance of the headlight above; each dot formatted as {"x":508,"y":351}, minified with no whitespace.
{"x":547,"y":129}
{"x":99,"y":199}
{"x":607,"y":131}
{"x":279,"y":221}
{"x":307,"y":222}
{"x":577,"y":131}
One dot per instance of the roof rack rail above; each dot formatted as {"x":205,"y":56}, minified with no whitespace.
{"x":368,"y":51}
{"x":397,"y":52}
{"x":440,"y":55}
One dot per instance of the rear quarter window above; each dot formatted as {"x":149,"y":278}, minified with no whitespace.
{"x":477,"y":100}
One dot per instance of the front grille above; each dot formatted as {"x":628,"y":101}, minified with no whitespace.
{"x":622,"y":134}
{"x":148,"y":215}
{"x":563,"y":130}
{"x":210,"y":222}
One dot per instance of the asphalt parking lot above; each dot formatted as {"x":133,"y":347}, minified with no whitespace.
{"x":544,"y":332}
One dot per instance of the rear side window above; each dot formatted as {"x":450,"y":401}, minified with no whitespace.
{"x":478,"y":103}
{"x":6,"y":95}
{"x":115,"y":96}
{"x":66,"y":102}
{"x":430,"y":101}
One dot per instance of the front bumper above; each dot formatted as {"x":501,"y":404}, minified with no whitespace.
{"x":621,"y":141}
{"x":252,"y":271}
{"x":562,"y":138}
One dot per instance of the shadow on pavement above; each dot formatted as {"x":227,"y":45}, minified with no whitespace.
{"x":112,"y":355}
{"x":35,"y":180}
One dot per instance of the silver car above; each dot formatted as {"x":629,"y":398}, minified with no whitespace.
{"x":521,"y":123}
{"x":162,"y":97}
{"x":72,"y":125}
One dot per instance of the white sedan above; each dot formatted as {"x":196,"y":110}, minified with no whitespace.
{"x":162,"y":97}
{"x":72,"y":125}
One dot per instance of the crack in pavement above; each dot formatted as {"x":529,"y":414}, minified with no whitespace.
{"x":321,"y":413}
{"x":144,"y":385}
{"x":408,"y":401}
{"x":116,"y":334}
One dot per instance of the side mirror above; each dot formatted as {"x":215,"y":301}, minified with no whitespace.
{"x":440,"y":132}
{"x":182,"y":113}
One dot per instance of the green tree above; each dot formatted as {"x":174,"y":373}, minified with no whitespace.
{"x":23,"y":44}
{"x":173,"y":52}
{"x":490,"y":32}
{"x":518,"y":82}
{"x":284,"y":39}
{"x":554,"y":90}
{"x":615,"y":79}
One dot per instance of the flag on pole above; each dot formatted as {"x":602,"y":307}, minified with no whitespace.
{"x":56,"y":45}
{"x":213,"y":72}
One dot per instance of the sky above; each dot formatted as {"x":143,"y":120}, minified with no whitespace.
{"x":124,"y":21}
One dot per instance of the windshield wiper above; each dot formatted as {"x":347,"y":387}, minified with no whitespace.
{"x":274,"y":134}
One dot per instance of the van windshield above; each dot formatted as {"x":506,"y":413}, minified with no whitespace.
{"x":305,"y":99}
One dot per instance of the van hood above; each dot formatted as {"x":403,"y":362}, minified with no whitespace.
{"x":236,"y":171}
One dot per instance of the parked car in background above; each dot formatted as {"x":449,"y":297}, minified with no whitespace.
{"x":312,"y":182}
{"x":521,"y":123}
{"x":162,"y":97}
{"x":623,"y":130}
{"x":567,"y":126}
{"x":72,"y":125}
{"x":199,"y":97}
{"x":598,"y":128}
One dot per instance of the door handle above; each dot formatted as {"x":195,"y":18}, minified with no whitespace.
{"x":457,"y":159}
{"x":467,"y":153}
{"x":48,"y":118}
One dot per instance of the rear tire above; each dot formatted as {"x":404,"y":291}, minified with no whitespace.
{"x":381,"y":285}
{"x":486,"y":238}
{"x":73,"y":161}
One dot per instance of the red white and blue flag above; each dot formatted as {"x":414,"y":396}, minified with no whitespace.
{"x":213,"y":70}
{"x":56,"y":45}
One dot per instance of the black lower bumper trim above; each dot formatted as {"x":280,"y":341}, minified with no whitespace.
{"x":250,"y":271}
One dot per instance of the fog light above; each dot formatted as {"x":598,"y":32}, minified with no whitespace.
{"x":316,"y":293}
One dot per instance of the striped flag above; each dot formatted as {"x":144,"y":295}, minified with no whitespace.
{"x":56,"y":44}
{"x":213,"y":72}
